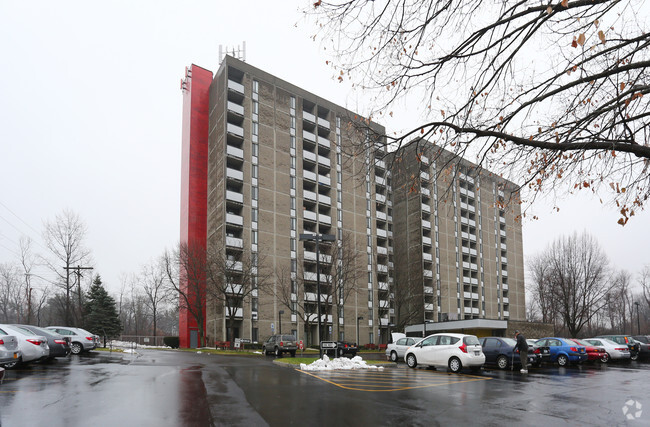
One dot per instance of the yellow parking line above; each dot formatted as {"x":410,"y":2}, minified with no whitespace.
{"x":391,"y":380}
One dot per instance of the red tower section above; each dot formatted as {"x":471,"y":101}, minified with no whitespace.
{"x":194,"y":195}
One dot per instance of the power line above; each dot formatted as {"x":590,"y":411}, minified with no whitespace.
{"x":19,"y":218}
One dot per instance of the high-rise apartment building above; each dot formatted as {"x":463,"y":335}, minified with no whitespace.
{"x":291,"y":198}
{"x":458,"y":241}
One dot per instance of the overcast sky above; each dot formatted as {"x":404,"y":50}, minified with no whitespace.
{"x":90,"y":120}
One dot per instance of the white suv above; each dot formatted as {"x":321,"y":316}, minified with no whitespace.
{"x":454,"y":351}
{"x":80,"y":339}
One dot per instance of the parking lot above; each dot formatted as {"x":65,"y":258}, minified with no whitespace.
{"x":169,"y":388}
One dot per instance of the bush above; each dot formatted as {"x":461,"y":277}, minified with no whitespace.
{"x":173,"y":342}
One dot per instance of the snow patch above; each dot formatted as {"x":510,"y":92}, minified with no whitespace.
{"x":340,"y":363}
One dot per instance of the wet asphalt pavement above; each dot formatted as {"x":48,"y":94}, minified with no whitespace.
{"x":168,"y":388}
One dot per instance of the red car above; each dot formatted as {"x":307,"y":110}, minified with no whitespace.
{"x":594,"y":353}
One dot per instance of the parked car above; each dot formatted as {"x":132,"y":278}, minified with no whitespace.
{"x":594,"y":353}
{"x":397,"y":349}
{"x":454,"y":351}
{"x":614,"y":350}
{"x":278,"y":344}
{"x":59,"y":346}
{"x":563,"y":350}
{"x":644,"y":345}
{"x":80,"y":339}
{"x":543,"y":351}
{"x":501,"y":352}
{"x":627,"y":340}
{"x":344,"y":348}
{"x":33,"y":347}
{"x":9,"y":351}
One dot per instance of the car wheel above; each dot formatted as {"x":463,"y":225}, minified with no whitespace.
{"x":455,"y":365}
{"x":562,"y":360}
{"x":502,"y":362}
{"x":634,"y":356}
{"x":76,"y":348}
{"x":12,"y":365}
{"x":393,"y":356}
{"x":411,"y":361}
{"x":278,"y":353}
{"x":604,"y":358}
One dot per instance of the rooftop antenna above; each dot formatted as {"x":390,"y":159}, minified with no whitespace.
{"x":238,"y":52}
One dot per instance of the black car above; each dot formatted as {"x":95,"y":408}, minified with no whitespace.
{"x":346,"y":349}
{"x":634,"y":346}
{"x":501,"y":352}
{"x":59,"y":345}
{"x":644,"y":344}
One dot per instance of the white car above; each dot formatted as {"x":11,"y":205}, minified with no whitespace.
{"x":398,"y":347}
{"x":9,"y":351}
{"x":615,"y":351}
{"x":33,"y":347}
{"x":80,"y":339}
{"x":454,"y":351}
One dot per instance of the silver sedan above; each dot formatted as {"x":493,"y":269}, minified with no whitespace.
{"x":9,"y":352}
{"x":614,"y":350}
{"x":396,"y":350}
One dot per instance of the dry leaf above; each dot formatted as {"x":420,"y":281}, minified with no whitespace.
{"x":581,"y":39}
{"x":601,"y":36}
{"x":565,"y":3}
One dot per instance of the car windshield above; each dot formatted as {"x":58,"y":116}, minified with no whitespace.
{"x":288,"y":338}
{"x":509,"y":341}
{"x":471,"y":340}
{"x":581,"y":342}
{"x":25,"y":330}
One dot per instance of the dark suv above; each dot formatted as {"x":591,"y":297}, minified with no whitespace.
{"x":278,"y":344}
{"x":625,"y":340}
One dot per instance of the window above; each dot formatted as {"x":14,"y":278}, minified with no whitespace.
{"x":254,"y":171}
{"x":293,"y":226}
{"x":256,"y":149}
{"x":293,"y":266}
{"x":254,"y":214}
{"x":255,"y":128}
{"x":293,"y":244}
{"x":293,"y":102}
{"x":293,"y":203}
{"x":255,"y":86}
{"x":293,"y":182}
{"x":293,"y":287}
{"x":254,"y":237}
{"x":254,"y":193}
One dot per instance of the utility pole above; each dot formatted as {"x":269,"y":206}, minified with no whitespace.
{"x":78,"y":272}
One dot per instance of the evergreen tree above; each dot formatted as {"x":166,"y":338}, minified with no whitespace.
{"x":101,"y":314}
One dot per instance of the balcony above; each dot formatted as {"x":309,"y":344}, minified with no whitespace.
{"x":426,"y":240}
{"x":504,"y":286}
{"x":324,"y":180}
{"x":235,"y":219}
{"x":311,"y":256}
{"x":235,"y":242}
{"x":237,"y":87}
{"x":425,"y":191}
{"x":504,"y":260}
{"x":383,"y":321}
{"x":235,"y":130}
{"x":325,"y":161}
{"x":324,"y":200}
{"x":233,"y":265}
{"x":424,"y":159}
{"x":325,"y":318}
{"x":324,"y":123}
{"x":382,"y":250}
{"x":309,"y":156}
{"x":381,"y":215}
{"x":309,"y":195}
{"x":384,"y":304}
{"x":382,"y":268}
{"x":428,"y":307}
{"x":380,"y":198}
{"x":309,"y":215}
{"x":426,"y":208}
{"x":504,"y":273}
{"x":235,"y":152}
{"x":426,"y":224}
{"x":380,"y":164}
{"x":506,"y":300}
{"x":308,"y":136}
{"x":428,"y":290}
{"x":502,"y":233}
{"x":235,"y":108}
{"x":312,"y":297}
{"x":233,"y":196}
{"x":427,"y":256}
{"x":466,"y":178}
{"x":470,"y":295}
{"x":324,"y":142}
{"x":382,"y":233}
{"x":237,"y":311}
{"x":383,"y":286}
{"x":502,"y":220}
{"x":309,"y":117}
{"x":325,"y":219}
{"x":233,"y":289}
{"x":309,"y":176}
{"x":427,"y":273}
{"x":235,"y":174}
{"x":504,"y":247}
{"x":506,"y":314}
{"x":380,"y":180}
{"x":311,"y":276}
{"x":424,"y":175}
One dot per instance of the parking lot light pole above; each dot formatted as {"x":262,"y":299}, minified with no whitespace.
{"x":318,"y":238}
{"x":280,"y":313}
{"x":638,"y":322}
{"x":358,"y":318}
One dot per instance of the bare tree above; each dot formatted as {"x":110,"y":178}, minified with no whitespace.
{"x":644,"y":281}
{"x":578,"y":273}
{"x":541,"y":286}
{"x":11,"y":294}
{"x":156,"y":290}
{"x":185,"y":268}
{"x":231,"y":280}
{"x":64,"y":237}
{"x":552,"y":94}
{"x":284,"y":291}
